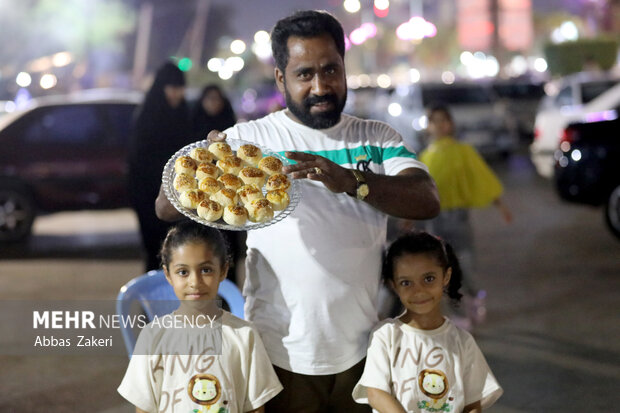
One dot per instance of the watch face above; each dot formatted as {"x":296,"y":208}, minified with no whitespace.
{"x":362,"y":191}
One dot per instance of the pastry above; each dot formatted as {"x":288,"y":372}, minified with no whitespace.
{"x":252,"y":176}
{"x":250,"y":153}
{"x":210,"y":210}
{"x":206,"y":170}
{"x":277,"y":181}
{"x":201,"y":155}
{"x":185,"y":165}
{"x":260,"y":210}
{"x":230,"y":164}
{"x":248,"y":193}
{"x":279,"y":199}
{"x":190,"y":199}
{"x":183,"y":182}
{"x":230,"y":181}
{"x":270,"y":165}
{"x":220,"y":149}
{"x":225,"y":197}
{"x":235,"y":215}
{"x":210,"y":185}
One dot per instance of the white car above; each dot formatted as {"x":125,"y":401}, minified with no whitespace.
{"x":577,"y":98}
{"x":481,"y":119}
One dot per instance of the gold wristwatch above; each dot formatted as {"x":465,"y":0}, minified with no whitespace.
{"x":362,"y":191}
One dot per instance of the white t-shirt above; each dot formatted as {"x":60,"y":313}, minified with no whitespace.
{"x":312,"y":279}
{"x":239,"y":380}
{"x":427,"y":370}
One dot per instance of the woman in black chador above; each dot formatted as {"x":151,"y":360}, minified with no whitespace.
{"x":161,"y":127}
{"x":213,"y":111}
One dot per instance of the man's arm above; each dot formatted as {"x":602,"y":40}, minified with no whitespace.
{"x":164,"y":209}
{"x":411,"y":194}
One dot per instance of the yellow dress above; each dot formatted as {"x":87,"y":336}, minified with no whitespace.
{"x":463,"y":178}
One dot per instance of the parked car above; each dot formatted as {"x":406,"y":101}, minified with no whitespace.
{"x":63,"y":153}
{"x":588,"y":166}
{"x":481,"y":120}
{"x":521,"y":99}
{"x":568,"y":100}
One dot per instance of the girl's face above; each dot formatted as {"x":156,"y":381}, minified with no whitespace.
{"x":195,"y":272}
{"x":174,"y":95}
{"x":419,"y":281}
{"x":439,"y":124}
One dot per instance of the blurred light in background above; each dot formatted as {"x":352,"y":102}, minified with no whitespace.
{"x":185,"y":64}
{"x":236,"y":63}
{"x":237,"y":46}
{"x":416,"y":28}
{"x":61,"y":59}
{"x":364,"y":80}
{"x":381,"y":8}
{"x":420,"y":123}
{"x":394,"y":109}
{"x":384,"y":81}
{"x":262,"y":45}
{"x":225,"y":72}
{"x":566,"y":32}
{"x":48,"y":81}
{"x":215,"y":64}
{"x":23,"y":79}
{"x":351,"y":6}
{"x":9,"y":106}
{"x":363,"y":33}
{"x":540,"y":64}
{"x":414,"y":75}
{"x":448,"y":77}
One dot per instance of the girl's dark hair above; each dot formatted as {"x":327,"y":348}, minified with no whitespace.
{"x":439,"y":107}
{"x":308,"y":23}
{"x":421,"y":242}
{"x":192,"y":232}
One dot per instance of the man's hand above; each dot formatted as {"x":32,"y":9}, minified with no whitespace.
{"x":317,"y":168}
{"x":216,"y":136}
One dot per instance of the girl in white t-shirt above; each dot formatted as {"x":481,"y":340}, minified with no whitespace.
{"x":420,"y":361}
{"x":219,"y":364}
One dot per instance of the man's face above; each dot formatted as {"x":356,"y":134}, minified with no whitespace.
{"x":314,"y":82}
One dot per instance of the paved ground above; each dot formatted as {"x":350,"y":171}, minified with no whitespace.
{"x":551,"y":337}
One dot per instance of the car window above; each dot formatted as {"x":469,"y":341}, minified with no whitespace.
{"x":565,"y":97}
{"x":74,"y":124}
{"x":119,"y":118}
{"x":591,"y":90}
{"x":455,"y":95}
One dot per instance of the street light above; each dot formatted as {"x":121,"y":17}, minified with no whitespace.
{"x":23,"y":79}
{"x":352,"y":6}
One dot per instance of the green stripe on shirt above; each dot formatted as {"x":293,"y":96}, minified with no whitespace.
{"x":362,"y":153}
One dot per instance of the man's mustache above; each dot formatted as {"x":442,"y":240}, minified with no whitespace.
{"x":314,"y":100}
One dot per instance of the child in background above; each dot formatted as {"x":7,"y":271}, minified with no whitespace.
{"x":420,"y":361}
{"x":464,"y":181}
{"x":239,"y":379}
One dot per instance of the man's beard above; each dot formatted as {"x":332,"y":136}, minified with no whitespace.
{"x":321,"y":120}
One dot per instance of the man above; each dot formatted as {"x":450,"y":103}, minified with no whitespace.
{"x":312,"y":279}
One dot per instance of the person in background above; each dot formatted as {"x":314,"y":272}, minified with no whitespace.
{"x":464,"y":181}
{"x":212,"y":111}
{"x":420,"y":361}
{"x":161,"y":128}
{"x":312,"y":279}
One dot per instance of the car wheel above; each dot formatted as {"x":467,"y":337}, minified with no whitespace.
{"x":612,"y":211}
{"x":17,"y":213}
